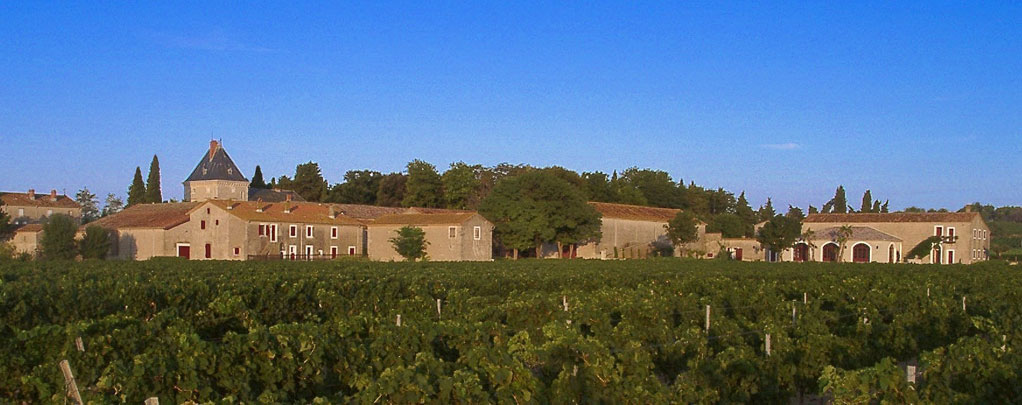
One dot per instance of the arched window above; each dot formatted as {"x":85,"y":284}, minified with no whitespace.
{"x":861,"y":253}
{"x":830,"y":252}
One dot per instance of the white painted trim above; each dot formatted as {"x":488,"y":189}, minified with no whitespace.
{"x":868,"y":246}
{"x":951,"y":231}
{"x":177,"y":249}
{"x":334,"y":233}
{"x":477,"y":232}
{"x":273,"y":233}
{"x":292,"y":228}
{"x":836,"y":259}
{"x":452,"y":232}
{"x":309,"y":231}
{"x":941,"y":230}
{"x":951,"y":256}
{"x":352,"y":251}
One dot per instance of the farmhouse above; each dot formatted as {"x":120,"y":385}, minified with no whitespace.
{"x":964,"y":237}
{"x":223,"y":219}
{"x":32,"y":208}
{"x":629,"y":231}
{"x":450,"y":236}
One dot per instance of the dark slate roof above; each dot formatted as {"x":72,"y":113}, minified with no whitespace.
{"x":216,"y":165}
{"x":274,"y":195}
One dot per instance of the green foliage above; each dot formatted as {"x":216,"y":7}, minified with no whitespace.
{"x":90,"y":206}
{"x":838,"y":204}
{"x":95,"y":244}
{"x":767,"y":212}
{"x":258,"y":332}
{"x":656,"y":187}
{"x":58,"y":240}
{"x":308,"y":182}
{"x":729,"y":225}
{"x":392,"y":190}
{"x":153,"y":191}
{"x":924,"y":248}
{"x":780,"y":232}
{"x":136,"y":192}
{"x":257,"y":179}
{"x":359,"y":187}
{"x":682,"y":228}
{"x":112,"y":205}
{"x":6,"y":227}
{"x":460,"y":182}
{"x":539,"y":207}
{"x":867,"y":202}
{"x":410,"y":243}
{"x":424,"y":187}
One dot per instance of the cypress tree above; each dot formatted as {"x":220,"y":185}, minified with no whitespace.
{"x":867,"y":202}
{"x":257,"y":179}
{"x":840,"y":202}
{"x":136,"y":192}
{"x":153,"y":192}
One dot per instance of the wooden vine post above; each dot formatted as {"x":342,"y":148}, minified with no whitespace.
{"x":707,"y":319}
{"x":910,"y":374}
{"x":152,"y":401}
{"x":963,"y":304}
{"x":398,"y":319}
{"x":438,"y":308}
{"x":79,"y":345}
{"x":564,"y":302}
{"x":793,"y":313}
{"x":69,"y":383}
{"x":767,"y":344}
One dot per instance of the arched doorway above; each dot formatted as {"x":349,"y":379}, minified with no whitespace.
{"x":801,"y":252}
{"x":830,"y":252}
{"x":860,"y":253}
{"x":890,"y":254}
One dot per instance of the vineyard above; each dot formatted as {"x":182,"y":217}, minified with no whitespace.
{"x":573,"y":331}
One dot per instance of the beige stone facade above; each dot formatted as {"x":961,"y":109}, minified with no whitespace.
{"x":33,"y":208}
{"x":459,"y":236}
{"x":216,"y":190}
{"x":966,"y":237}
{"x":26,"y":239}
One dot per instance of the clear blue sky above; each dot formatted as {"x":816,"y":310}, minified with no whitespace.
{"x":922,"y":103}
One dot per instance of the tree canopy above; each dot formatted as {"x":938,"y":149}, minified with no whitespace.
{"x":392,"y":190}
{"x":424,"y":187}
{"x":6,"y":228}
{"x":460,"y":181}
{"x":410,"y":242}
{"x":780,"y":232}
{"x":538,"y":207}
{"x":89,"y":203}
{"x":95,"y":244}
{"x":359,"y":187}
{"x":257,"y":179}
{"x":309,"y":182}
{"x":58,"y":240}
{"x":683,"y":228}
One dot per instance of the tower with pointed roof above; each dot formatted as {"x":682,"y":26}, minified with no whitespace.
{"x":216,"y":178}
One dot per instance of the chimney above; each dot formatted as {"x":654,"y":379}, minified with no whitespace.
{"x":53,"y":195}
{"x":213,"y":146}
{"x":31,"y":194}
{"x":259,"y":205}
{"x":287,"y":197}
{"x":333,"y":212}
{"x":288,"y":208}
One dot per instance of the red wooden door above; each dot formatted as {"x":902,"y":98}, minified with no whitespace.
{"x":184,"y":251}
{"x":209,"y":251}
{"x":738,"y":254}
{"x":830,"y":252}
{"x":860,"y":253}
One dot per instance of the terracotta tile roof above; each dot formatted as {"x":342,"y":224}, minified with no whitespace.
{"x":302,"y":212}
{"x":369,"y":212}
{"x":422,"y":218}
{"x":157,"y":216}
{"x":30,"y":228}
{"x":893,"y":217}
{"x":637,"y":212}
{"x":41,"y":200}
{"x":859,"y":233}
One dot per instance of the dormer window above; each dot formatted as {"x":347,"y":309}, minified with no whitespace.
{"x":204,"y":170}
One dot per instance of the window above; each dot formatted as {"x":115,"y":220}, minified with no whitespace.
{"x":333,"y":232}
{"x":217,"y":222}
{"x":209,"y":251}
{"x":308,"y":231}
{"x":273,"y":232}
{"x":237,"y":251}
{"x":262,"y":229}
{"x":938,"y":230}
{"x":294,"y":231}
{"x":951,"y":232}
{"x":207,"y":211}
{"x":452,"y":232}
{"x":333,"y":252}
{"x":308,"y":252}
{"x":21,"y":212}
{"x":202,"y":224}
{"x":351,"y":250}
{"x":477,"y":232}
{"x":950,"y":256}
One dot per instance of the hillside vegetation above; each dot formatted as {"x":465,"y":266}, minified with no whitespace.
{"x":511,"y":332}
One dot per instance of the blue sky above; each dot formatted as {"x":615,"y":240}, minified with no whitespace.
{"x":922,"y":103}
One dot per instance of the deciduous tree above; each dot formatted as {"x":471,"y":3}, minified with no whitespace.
{"x":410,"y":242}
{"x":95,"y":244}
{"x":58,"y":240}
{"x":392,"y":190}
{"x":683,"y":229}
{"x":780,"y":233}
{"x":459,"y":183}
{"x":359,"y":187}
{"x":424,"y":186}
